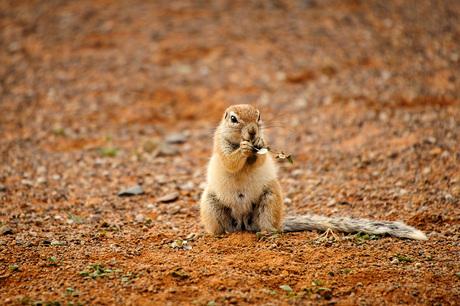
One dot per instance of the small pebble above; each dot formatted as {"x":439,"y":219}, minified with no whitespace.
{"x":418,"y":265}
{"x":176,"y":138}
{"x":172,"y":210}
{"x":187,"y":186}
{"x":133,"y":190}
{"x":170,"y":197}
{"x":139,"y":218}
{"x":6,"y":230}
{"x":395,"y":261}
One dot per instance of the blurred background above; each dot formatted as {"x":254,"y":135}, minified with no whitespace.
{"x":96,"y":65}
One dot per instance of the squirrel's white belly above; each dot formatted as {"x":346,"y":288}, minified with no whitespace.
{"x":240,"y":190}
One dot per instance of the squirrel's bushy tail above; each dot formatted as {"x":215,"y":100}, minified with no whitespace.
{"x":351,"y":225}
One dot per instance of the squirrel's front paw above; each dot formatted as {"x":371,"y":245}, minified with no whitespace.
{"x":259,"y":143}
{"x":247,"y":148}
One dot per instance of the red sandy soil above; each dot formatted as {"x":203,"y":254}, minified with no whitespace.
{"x":364,"y":94}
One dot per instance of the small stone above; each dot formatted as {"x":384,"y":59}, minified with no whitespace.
{"x":448,"y":196}
{"x":150,"y":145}
{"x":6,"y":230}
{"x":359,"y":284}
{"x":170,"y":197}
{"x":134,"y":190}
{"x":56,"y":177}
{"x":430,"y":140}
{"x":192,"y":236}
{"x":158,"y":147}
{"x":332,"y":202}
{"x":287,"y":201}
{"x":435,"y":151}
{"x":145,"y":229}
{"x":139,"y":218}
{"x":41,"y":180}
{"x":445,"y":155}
{"x":173,"y":210}
{"x":418,"y":265}
{"x":56,"y":242}
{"x":95,"y":218}
{"x":426,"y":171}
{"x":176,"y":138}
{"x":27,"y":182}
{"x":165,"y":149}
{"x":395,"y":261}
{"x":187,"y":186}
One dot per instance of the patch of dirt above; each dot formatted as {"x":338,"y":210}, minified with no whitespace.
{"x":364,"y":94}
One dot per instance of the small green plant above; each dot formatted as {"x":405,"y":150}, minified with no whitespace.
{"x":54,"y":262}
{"x":71,"y":292}
{"x":129,"y":276}
{"x":288,"y":289}
{"x":14,"y":268}
{"x":59,"y":132}
{"x":97,"y":271}
{"x":275,"y":233}
{"x":138,"y":156}
{"x":178,"y":272}
{"x":327,"y":237}
{"x":403,"y":258}
{"x":74,"y":218}
{"x":458,"y":275}
{"x":316,"y":287}
{"x":280,"y":155}
{"x":181,"y":244}
{"x":362,"y":238}
{"x":345,"y":271}
{"x":108,"y":150}
{"x":24,"y":301}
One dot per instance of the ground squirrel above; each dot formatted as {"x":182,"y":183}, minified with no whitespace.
{"x":243,"y":191}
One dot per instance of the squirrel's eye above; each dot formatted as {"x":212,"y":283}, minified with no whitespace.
{"x":233,"y":118}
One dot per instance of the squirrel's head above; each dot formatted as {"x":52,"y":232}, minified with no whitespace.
{"x":243,"y":121}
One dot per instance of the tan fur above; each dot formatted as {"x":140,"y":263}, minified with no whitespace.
{"x":243,"y":192}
